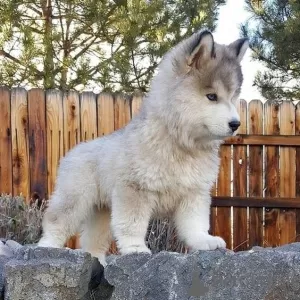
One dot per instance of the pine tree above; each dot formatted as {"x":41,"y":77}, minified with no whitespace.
{"x":274,"y":33}
{"x":76,"y":44}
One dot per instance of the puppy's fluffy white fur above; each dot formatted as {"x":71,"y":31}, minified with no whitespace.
{"x":163,"y":162}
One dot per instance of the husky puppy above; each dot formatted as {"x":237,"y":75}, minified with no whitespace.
{"x":163,"y":162}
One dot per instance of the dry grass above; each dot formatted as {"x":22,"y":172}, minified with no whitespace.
{"x":20,"y":221}
{"x":161,"y":236}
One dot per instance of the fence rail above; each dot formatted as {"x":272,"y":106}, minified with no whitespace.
{"x":256,"y":197}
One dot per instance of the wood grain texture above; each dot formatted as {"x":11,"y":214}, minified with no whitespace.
{"x":122,"y":111}
{"x":268,"y":140}
{"x":20,"y":149}
{"x":287,"y":217}
{"x":240,"y":222}
{"x":136,"y":104}
{"x":5,"y":142}
{"x":37,"y":144}
{"x":256,"y":174}
{"x":55,"y":134}
{"x":106,"y":118}
{"x":88,"y":116}
{"x":223,"y":218}
{"x":271,"y":126}
{"x":71,"y":120}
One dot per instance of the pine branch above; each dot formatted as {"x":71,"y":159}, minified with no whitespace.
{"x":19,"y":62}
{"x":85,"y":49}
{"x":35,"y":10}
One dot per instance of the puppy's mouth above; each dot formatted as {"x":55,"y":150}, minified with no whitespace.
{"x":219,"y":135}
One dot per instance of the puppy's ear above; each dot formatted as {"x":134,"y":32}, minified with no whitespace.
{"x":239,"y":48}
{"x":202,"y":50}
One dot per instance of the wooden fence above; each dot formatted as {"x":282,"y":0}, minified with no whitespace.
{"x":256,"y":198}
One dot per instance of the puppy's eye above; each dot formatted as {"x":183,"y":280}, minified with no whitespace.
{"x":212,"y":97}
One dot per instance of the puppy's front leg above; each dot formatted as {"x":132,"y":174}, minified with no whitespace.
{"x":131,"y":212}
{"x":192,"y":222}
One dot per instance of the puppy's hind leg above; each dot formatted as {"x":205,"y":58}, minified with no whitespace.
{"x":96,"y":236}
{"x":63,"y":219}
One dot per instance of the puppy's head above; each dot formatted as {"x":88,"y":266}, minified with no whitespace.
{"x":201,"y":81}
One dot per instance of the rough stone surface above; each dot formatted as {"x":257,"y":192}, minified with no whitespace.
{"x":41,"y":273}
{"x":5,"y":255}
{"x":166,"y":275}
{"x":269,"y":274}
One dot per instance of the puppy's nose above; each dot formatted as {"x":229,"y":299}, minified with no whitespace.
{"x":234,"y":125}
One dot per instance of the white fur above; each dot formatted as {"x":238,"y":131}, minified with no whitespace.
{"x":163,"y":162}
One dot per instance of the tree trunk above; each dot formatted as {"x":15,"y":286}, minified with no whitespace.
{"x":49,"y":75}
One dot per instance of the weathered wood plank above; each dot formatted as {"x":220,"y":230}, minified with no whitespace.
{"x":71,"y":120}
{"x":106,"y":122}
{"x":255,"y":174}
{"x":271,"y":126}
{"x":55,"y":134}
{"x":122,"y":111}
{"x":6,"y":185}
{"x":268,"y":140}
{"x":136,"y":104}
{"x":88,"y":116}
{"x":20,"y":149}
{"x":37,"y":144}
{"x":223,"y":218}
{"x":287,"y":217}
{"x":240,"y":222}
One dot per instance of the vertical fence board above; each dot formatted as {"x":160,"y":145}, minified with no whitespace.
{"x":5,"y":142}
{"x":287,"y":217}
{"x":71,"y":120}
{"x":223,"y":219}
{"x":136,"y":104}
{"x":71,"y":125}
{"x":20,"y":153}
{"x":122,"y":111}
{"x":55,"y":142}
{"x":240,"y":230}
{"x":106,"y":122}
{"x":37,"y":144}
{"x":88,"y":111}
{"x":271,"y":175}
{"x":297,"y":132}
{"x":255,"y":174}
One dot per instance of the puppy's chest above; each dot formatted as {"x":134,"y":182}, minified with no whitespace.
{"x":179,"y":176}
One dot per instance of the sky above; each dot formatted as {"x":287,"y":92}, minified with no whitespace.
{"x":231,"y":16}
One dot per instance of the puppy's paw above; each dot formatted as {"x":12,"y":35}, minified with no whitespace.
{"x":135,"y":249}
{"x":208,"y":242}
{"x":45,"y":243}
